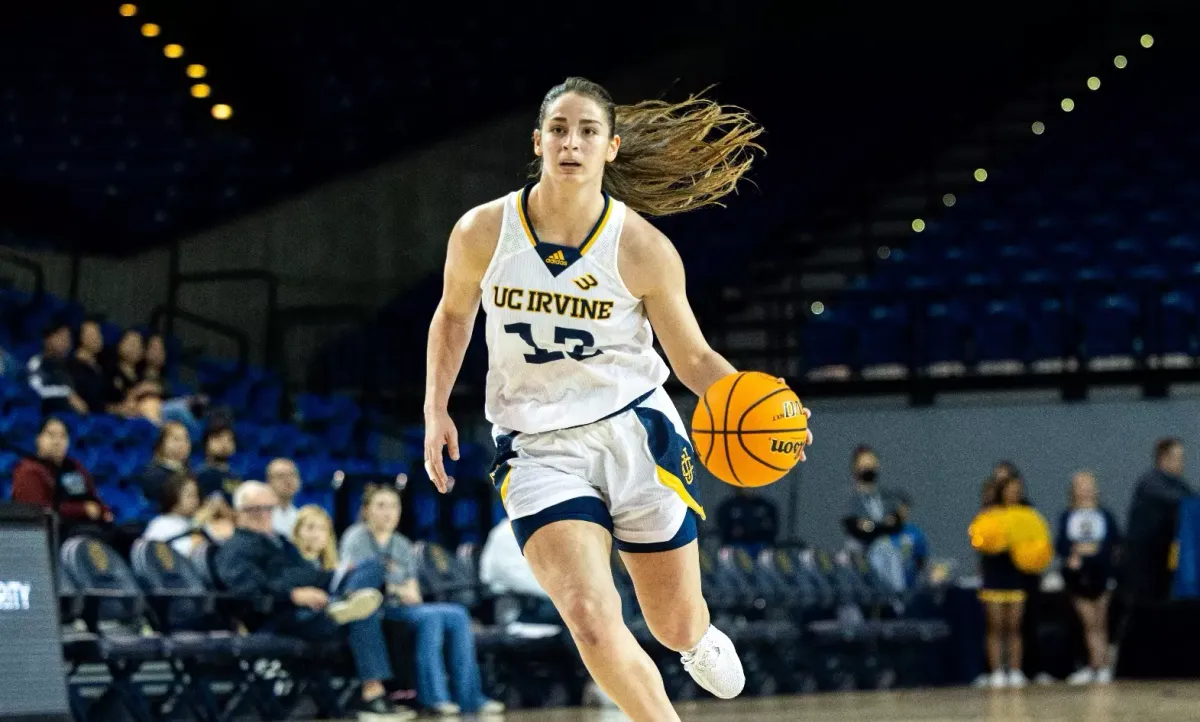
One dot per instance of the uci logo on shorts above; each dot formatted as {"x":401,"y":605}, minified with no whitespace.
{"x":685,"y":467}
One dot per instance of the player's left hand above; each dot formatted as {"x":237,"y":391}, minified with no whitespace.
{"x":808,"y":415}
{"x":808,"y":442}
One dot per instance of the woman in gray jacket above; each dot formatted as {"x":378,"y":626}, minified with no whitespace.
{"x":437,"y":626}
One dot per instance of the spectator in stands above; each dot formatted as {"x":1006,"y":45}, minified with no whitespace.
{"x":128,"y":394}
{"x":871,"y":519}
{"x":87,"y":376}
{"x":171,"y":453}
{"x":284,"y":478}
{"x":312,"y":533}
{"x":185,"y":410}
{"x":1087,"y":543}
{"x":257,"y":561}
{"x":1003,"y":470}
{"x":215,"y":476}
{"x":1003,"y":595}
{"x":1153,"y":518}
{"x":748,"y":520}
{"x":375,"y":537}
{"x":56,"y":482}
{"x":909,"y":539}
{"x":48,"y":373}
{"x":184,"y":520}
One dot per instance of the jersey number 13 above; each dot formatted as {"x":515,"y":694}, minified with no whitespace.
{"x":579,"y":343}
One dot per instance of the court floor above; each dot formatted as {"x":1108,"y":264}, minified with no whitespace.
{"x":1122,"y":702}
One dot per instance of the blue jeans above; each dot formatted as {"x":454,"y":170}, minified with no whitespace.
{"x":440,"y":626}
{"x":365,"y":636}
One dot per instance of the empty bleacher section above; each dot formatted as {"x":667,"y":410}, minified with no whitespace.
{"x":1075,"y":252}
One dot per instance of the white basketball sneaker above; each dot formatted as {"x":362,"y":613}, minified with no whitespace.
{"x":715,"y":666}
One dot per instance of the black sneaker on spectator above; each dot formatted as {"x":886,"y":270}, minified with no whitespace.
{"x":356,"y":605}
{"x":380,"y":710}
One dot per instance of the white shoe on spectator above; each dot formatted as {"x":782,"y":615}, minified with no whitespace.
{"x":715,"y":666}
{"x":1017,"y":679}
{"x":982,"y":681}
{"x":1044,"y":679}
{"x":491,"y":706}
{"x":1082,"y":677}
{"x":998,"y":680}
{"x":447,"y":709}
{"x":356,"y":605}
{"x":1104,"y":676}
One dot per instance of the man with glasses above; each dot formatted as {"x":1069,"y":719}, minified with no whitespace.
{"x":310,"y":603}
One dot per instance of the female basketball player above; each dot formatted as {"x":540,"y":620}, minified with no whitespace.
{"x":590,"y":447}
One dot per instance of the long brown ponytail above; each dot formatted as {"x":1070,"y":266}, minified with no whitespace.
{"x":674,"y":157}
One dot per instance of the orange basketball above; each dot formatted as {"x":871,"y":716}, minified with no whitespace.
{"x":749,"y":429}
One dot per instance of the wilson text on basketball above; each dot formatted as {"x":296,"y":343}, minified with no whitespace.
{"x":781,"y":446}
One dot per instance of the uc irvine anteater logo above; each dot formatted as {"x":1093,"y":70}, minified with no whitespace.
{"x":685,"y":466}
{"x":97,"y":556}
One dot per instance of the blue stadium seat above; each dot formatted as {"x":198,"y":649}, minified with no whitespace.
{"x":999,"y":331}
{"x":1110,"y":327}
{"x":1049,"y":335}
{"x":944,"y":331}
{"x":828,"y":339}
{"x":884,"y":337}
{"x":1176,"y":331}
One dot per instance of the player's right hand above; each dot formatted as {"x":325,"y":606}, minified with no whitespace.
{"x":440,"y":431}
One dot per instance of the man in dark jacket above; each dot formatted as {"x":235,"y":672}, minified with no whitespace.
{"x":48,"y":374}
{"x":1153,"y":517}
{"x":258,"y":562}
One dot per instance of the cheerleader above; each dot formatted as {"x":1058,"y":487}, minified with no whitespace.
{"x":1013,"y":541}
{"x":1087,"y":544}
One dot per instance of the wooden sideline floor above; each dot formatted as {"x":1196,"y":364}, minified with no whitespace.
{"x":1121,"y":702}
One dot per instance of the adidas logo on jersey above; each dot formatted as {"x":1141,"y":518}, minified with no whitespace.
{"x":557,"y":258}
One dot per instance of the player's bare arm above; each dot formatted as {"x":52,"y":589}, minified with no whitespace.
{"x":472,"y":243}
{"x":652,"y":270}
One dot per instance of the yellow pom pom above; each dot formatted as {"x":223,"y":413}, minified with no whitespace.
{"x":1024,"y":523}
{"x":989,"y":533}
{"x":1033,"y":556}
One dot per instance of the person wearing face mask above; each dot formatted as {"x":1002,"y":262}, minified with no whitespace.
{"x":872,"y":519}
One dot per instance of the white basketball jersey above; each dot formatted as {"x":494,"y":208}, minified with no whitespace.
{"x":567,"y":343}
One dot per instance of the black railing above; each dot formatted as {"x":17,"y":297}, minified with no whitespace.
{"x":26,"y":263}
{"x":293,"y":317}
{"x":178,"y":279}
{"x":164,"y":317}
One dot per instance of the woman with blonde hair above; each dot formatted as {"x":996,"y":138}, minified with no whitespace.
{"x":313,"y":536}
{"x":577,"y":285}
{"x":1087,"y":545}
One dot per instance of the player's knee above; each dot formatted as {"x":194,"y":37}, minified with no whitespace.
{"x":592,"y":616}
{"x":680,"y":629}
